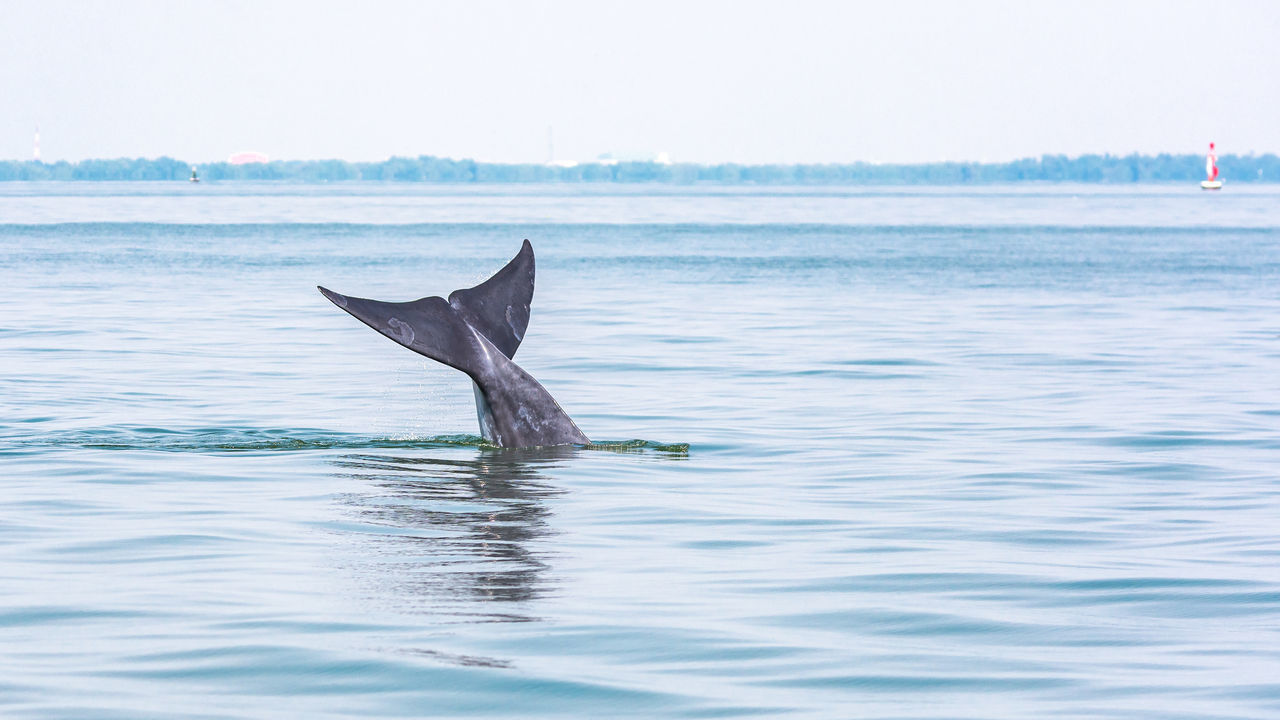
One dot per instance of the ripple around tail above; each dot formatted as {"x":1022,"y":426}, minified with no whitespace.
{"x":230,"y":440}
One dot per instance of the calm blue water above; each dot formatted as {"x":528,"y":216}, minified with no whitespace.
{"x":952,"y":453}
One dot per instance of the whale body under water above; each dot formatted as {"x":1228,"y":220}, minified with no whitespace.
{"x":477,"y":331}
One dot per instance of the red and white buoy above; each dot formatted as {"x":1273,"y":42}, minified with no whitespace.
{"x":1211,"y":170}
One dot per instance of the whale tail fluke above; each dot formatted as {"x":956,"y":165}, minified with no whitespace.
{"x":477,"y":331}
{"x":497,"y":308}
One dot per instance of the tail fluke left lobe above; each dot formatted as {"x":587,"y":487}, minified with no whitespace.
{"x":428,"y":326}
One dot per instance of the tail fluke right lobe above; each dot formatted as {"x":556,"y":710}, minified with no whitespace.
{"x":499,"y":307}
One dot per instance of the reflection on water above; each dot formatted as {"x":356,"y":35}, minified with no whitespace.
{"x":455,"y":537}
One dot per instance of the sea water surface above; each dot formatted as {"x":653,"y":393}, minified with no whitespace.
{"x":997,"y":452}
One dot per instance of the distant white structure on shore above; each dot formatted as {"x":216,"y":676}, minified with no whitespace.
{"x":551,"y":152}
{"x":662,"y":158}
{"x":35,"y":151}
{"x":247,"y":157}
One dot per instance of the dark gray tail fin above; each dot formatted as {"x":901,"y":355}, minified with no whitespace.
{"x":497,"y":308}
{"x":477,"y":331}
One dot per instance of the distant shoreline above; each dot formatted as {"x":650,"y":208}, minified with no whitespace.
{"x":1109,"y":169}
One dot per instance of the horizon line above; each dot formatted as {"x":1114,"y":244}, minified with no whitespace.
{"x":607,"y":160}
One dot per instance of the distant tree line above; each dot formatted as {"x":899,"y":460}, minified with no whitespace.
{"x":1048,"y":168}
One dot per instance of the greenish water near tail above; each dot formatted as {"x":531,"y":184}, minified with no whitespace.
{"x":996,"y":453}
{"x":217,"y":440}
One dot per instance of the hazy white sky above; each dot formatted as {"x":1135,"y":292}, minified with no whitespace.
{"x":705,"y":81}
